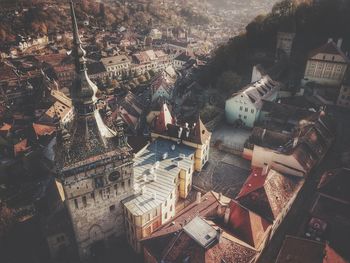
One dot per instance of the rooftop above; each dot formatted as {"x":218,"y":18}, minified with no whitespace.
{"x":156,"y":170}
{"x":115,"y":60}
{"x":329,"y":48}
{"x":260,"y":90}
{"x":268,"y":192}
{"x":301,"y":250}
{"x":200,"y":231}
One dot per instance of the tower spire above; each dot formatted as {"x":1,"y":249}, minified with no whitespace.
{"x":83,"y":90}
{"x":78,"y":51}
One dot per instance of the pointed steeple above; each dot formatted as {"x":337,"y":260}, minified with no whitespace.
{"x":83,"y":90}
{"x":88,"y":135}
{"x":78,"y":51}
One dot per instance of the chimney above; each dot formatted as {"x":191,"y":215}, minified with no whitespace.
{"x":143,"y":190}
{"x":219,"y":232}
{"x":179,"y":133}
{"x":198,"y":198}
{"x":227,"y":215}
{"x":265,"y":169}
{"x":156,"y":165}
{"x":340,"y":43}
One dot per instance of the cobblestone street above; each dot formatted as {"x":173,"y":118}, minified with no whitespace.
{"x":224,"y":173}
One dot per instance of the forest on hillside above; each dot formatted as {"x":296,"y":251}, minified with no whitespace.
{"x":43,"y":17}
{"x":312,"y":23}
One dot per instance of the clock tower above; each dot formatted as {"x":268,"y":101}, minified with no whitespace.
{"x":93,"y":163}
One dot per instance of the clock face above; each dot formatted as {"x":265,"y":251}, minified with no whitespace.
{"x":114,"y":176}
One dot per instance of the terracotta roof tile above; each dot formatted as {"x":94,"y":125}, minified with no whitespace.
{"x":301,"y":250}
{"x":42,"y":130}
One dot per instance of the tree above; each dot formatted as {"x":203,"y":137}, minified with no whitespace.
{"x":142,"y":79}
{"x":228,"y":81}
{"x":7,"y":219}
{"x":3,"y":34}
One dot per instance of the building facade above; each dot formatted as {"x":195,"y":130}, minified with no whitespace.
{"x":245,"y":105}
{"x":163,"y":174}
{"x":284,"y":44}
{"x":116,"y":66}
{"x":326,"y":65}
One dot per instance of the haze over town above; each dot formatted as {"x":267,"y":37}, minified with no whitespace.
{"x":175,"y":131}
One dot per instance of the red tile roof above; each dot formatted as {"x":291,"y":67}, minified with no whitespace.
{"x":209,"y":203}
{"x":42,"y":130}
{"x":6,"y":127}
{"x":248,"y":226}
{"x":255,"y":181}
{"x":163,"y":119}
{"x":301,"y":250}
{"x":20,"y":147}
{"x":329,"y":48}
{"x":268,"y":193}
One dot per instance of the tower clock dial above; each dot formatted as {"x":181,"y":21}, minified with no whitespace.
{"x":114,"y":176}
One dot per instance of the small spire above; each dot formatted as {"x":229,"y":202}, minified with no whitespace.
{"x":78,"y":51}
{"x":76,"y":37}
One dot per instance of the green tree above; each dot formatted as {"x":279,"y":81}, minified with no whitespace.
{"x":228,"y":81}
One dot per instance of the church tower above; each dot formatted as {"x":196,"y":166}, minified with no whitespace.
{"x":93,"y":163}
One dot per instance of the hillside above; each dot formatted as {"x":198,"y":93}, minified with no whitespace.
{"x":313,"y":25}
{"x":48,"y":16}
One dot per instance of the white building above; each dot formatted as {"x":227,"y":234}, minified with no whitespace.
{"x":145,"y":61}
{"x":162,"y":86}
{"x":116,"y":65}
{"x":163,"y":173}
{"x":326,"y":65}
{"x":246,"y":104}
{"x":294,"y":154}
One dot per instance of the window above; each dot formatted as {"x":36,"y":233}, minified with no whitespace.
{"x":171,"y":196}
{"x":98,"y":182}
{"x":112,"y":208}
{"x":240,"y":116}
{"x":252,"y":110}
{"x":123,"y":185}
{"x":166,"y":203}
{"x":84,"y":201}
{"x":93,"y":196}
{"x":60,"y":239}
{"x":171,"y":208}
{"x":246,"y":109}
{"x":245,"y":117}
{"x":241,"y":108}
{"x":129,"y":183}
{"x":166,"y":215}
{"x":76,"y":203}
